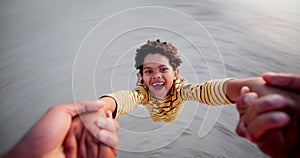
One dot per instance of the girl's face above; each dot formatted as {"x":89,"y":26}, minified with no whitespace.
{"x":158,"y":75}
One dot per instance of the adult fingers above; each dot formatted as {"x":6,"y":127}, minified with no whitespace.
{"x":284,"y":80}
{"x":266,"y":103}
{"x":82,"y":151}
{"x":106,"y":124}
{"x":267,"y":122}
{"x":88,"y":105}
{"x":106,"y":151}
{"x":292,"y":134}
{"x":244,"y":101}
{"x":81,"y":106}
{"x":92,"y":145}
{"x":107,"y":134}
{"x":108,"y":138}
{"x":273,"y":144}
{"x":88,"y":145}
{"x":89,"y":120}
{"x":241,"y":129}
{"x":70,"y":146}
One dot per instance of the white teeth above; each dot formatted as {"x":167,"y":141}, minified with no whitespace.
{"x":156,"y":84}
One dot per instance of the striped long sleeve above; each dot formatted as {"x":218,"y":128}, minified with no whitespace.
{"x":128,"y":100}
{"x":211,"y":92}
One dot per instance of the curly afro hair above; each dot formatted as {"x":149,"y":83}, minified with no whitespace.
{"x":154,"y":47}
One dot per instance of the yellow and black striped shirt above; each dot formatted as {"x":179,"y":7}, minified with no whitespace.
{"x":211,"y":92}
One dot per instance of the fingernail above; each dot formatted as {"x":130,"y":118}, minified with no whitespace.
{"x":270,"y":73}
{"x":247,"y":136}
{"x":245,"y":90}
{"x":252,"y":139}
{"x":282,"y":118}
{"x":276,"y":100}
{"x":109,"y":114}
{"x":100,"y":103}
{"x":248,"y":99}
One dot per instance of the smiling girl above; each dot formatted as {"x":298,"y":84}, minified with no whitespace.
{"x":163,"y":91}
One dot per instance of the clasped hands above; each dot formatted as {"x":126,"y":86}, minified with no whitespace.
{"x":61,"y":132}
{"x":272,"y":121}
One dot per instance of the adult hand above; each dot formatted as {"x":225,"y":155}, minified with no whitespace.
{"x":272,"y":121}
{"x":89,"y":141}
{"x":46,"y":137}
{"x":290,"y":82}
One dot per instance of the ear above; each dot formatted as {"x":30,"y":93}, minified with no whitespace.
{"x":140,"y":78}
{"x":176,"y":73}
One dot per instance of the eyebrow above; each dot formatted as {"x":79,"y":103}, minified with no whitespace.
{"x":151,"y":67}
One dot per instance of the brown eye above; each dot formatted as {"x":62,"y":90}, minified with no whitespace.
{"x":147,"y":72}
{"x":164,"y":69}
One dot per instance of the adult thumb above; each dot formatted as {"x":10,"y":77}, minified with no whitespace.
{"x":283,"y":80}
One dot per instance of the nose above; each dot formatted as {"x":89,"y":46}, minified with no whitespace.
{"x":156,"y":75}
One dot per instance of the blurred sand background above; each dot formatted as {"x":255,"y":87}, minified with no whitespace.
{"x":41,"y":41}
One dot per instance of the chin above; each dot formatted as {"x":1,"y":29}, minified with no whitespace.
{"x":160,"y":96}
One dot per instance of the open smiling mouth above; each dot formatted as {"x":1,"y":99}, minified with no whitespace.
{"x":158,"y":86}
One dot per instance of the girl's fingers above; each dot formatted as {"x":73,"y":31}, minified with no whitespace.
{"x":244,"y":90}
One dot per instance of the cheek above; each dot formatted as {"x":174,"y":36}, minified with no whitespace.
{"x":170,"y":77}
{"x":146,"y":80}
{"x":169,"y":81}
{"x":169,"y":85}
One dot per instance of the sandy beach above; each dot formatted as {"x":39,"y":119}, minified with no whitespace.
{"x":55,"y":52}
